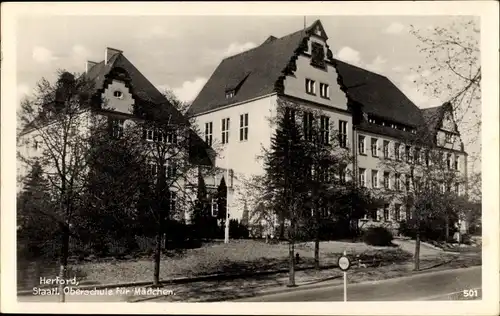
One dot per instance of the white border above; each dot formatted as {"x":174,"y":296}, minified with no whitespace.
{"x":487,"y":10}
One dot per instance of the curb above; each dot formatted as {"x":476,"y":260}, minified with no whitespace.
{"x":183,"y":280}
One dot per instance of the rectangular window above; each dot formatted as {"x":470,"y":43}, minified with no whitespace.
{"x":324,"y":90}
{"x":152,"y":169}
{"x":427,"y":159}
{"x":417,"y":155}
{"x":215,"y":207}
{"x":290,"y":113}
{"x":172,"y":202}
{"x":229,"y":94}
{"x":308,"y":122}
{"x":374,"y":147}
{"x":117,"y":128}
{"x":387,"y":182}
{"x":375,"y":178}
{"x":397,"y":212}
{"x":386,"y":213}
{"x":171,"y":170}
{"x":149,"y":134}
{"x":342,"y":134}
{"x":171,"y":136}
{"x":457,"y":188}
{"x":407,"y":182}
{"x":225,"y":130}
{"x":310,"y":86}
{"x":244,"y":127}
{"x":397,"y":180}
{"x":361,"y":145}
{"x":362,"y":179}
{"x":448,"y":138}
{"x":386,"y":149}
{"x":208,"y":133}
{"x":325,"y":129}
{"x":342,"y":175}
{"x":457,"y":160}
{"x":448,"y":161}
{"x":417,"y":182}
{"x":408,"y":153}
{"x":397,"y":153}
{"x":373,"y":215}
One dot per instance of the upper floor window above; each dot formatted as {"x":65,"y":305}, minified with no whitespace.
{"x":448,"y":161}
{"x":361,"y":145}
{"x":325,"y":129}
{"x":342,"y":175}
{"x":225,"y":130}
{"x":397,"y":212}
{"x":117,"y":127}
{"x":343,"y":134}
{"x":310,"y":86}
{"x":397,"y":180}
{"x":324,"y":90}
{"x":397,"y":152}
{"x":244,"y":127}
{"x":375,"y":178}
{"x":417,"y":156}
{"x":172,"y":201}
{"x":407,"y":182}
{"x":208,"y":133}
{"x":457,"y":162}
{"x":362,"y":177}
{"x":386,"y":212}
{"x":374,"y":147}
{"x":448,"y":138}
{"x":386,"y":149}
{"x":387,"y":182}
{"x":118,"y":94}
{"x":308,"y":122}
{"x":408,"y":154}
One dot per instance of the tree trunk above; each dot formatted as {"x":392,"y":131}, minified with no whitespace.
{"x":316,"y":240}
{"x":63,"y":261}
{"x":159,"y":234}
{"x":291,"y":257}
{"x":282,"y":229}
{"x":417,"y":251}
{"x":447,"y":229}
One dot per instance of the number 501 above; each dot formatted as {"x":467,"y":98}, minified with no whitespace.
{"x":470,"y":293}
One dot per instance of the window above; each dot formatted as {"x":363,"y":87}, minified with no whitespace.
{"x":417,"y":155}
{"x":397,"y":212}
{"x":386,"y":149}
{"x":343,"y":134}
{"x":318,"y":55}
{"x":308,"y":122}
{"x":152,"y":169}
{"x":374,"y":147}
{"x":149,"y":134}
{"x":171,"y":170}
{"x":324,"y":90}
{"x":448,"y":161}
{"x":118,"y":94}
{"x":208,"y":133}
{"x":457,"y":160}
{"x":244,"y":127}
{"x":387,"y":182}
{"x":171,"y":137}
{"x":427,"y":161}
{"x":448,"y":138}
{"x":408,"y":153}
{"x":407,"y":182}
{"x":361,"y":145}
{"x":375,"y":178}
{"x":215,"y":207}
{"x":229,"y":94}
{"x":362,"y":180}
{"x":386,"y":212}
{"x":457,"y":188}
{"x":396,"y":151}
{"x":117,"y":128}
{"x":290,"y":113}
{"x":373,"y":215}
{"x":325,"y":129}
{"x":310,"y":86}
{"x":225,"y":130}
{"x":417,"y":182}
{"x":397,"y":178}
{"x":443,"y":187}
{"x":172,"y":201}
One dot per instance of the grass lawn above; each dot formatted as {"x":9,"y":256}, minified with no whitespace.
{"x":217,"y":257}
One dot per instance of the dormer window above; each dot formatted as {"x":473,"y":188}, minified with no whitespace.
{"x":118,"y":94}
{"x":310,"y":87}
{"x":229,"y":94}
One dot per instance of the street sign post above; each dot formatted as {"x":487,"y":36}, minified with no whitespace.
{"x":344,"y":264}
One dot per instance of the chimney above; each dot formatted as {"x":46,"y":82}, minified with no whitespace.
{"x":89,"y":65}
{"x":110,"y":52}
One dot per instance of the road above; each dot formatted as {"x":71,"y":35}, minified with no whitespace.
{"x":440,"y":285}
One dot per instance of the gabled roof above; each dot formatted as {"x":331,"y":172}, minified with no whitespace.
{"x":433,"y":117}
{"x":266,"y":63}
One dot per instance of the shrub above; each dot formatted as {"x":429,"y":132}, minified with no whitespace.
{"x":377,"y":236}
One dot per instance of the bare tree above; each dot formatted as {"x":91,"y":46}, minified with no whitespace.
{"x":55,"y":131}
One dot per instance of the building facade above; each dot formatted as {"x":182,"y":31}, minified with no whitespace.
{"x":234,"y":109}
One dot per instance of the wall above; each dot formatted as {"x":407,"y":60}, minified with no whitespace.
{"x":123,"y":104}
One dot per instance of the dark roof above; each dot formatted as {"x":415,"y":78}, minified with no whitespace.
{"x":433,"y":117}
{"x":263,"y":65}
{"x":377,"y":95}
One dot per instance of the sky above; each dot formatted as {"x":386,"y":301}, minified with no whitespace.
{"x":181,"y":52}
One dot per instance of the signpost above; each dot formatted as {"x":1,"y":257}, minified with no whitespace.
{"x":344,"y":264}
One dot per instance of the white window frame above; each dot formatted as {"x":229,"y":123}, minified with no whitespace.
{"x":310,"y":86}
{"x":385,"y":148}
{"x":362,"y":177}
{"x":172,"y":201}
{"x":225,"y":126}
{"x":375,"y":179}
{"x":387,"y":180}
{"x":325,"y":129}
{"x":324,"y":90}
{"x":397,"y":181}
{"x":362,"y":144}
{"x":397,"y":151}
{"x":243,"y":127}
{"x":209,"y":133}
{"x":397,"y":212}
{"x":374,"y":146}
{"x":343,"y":133}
